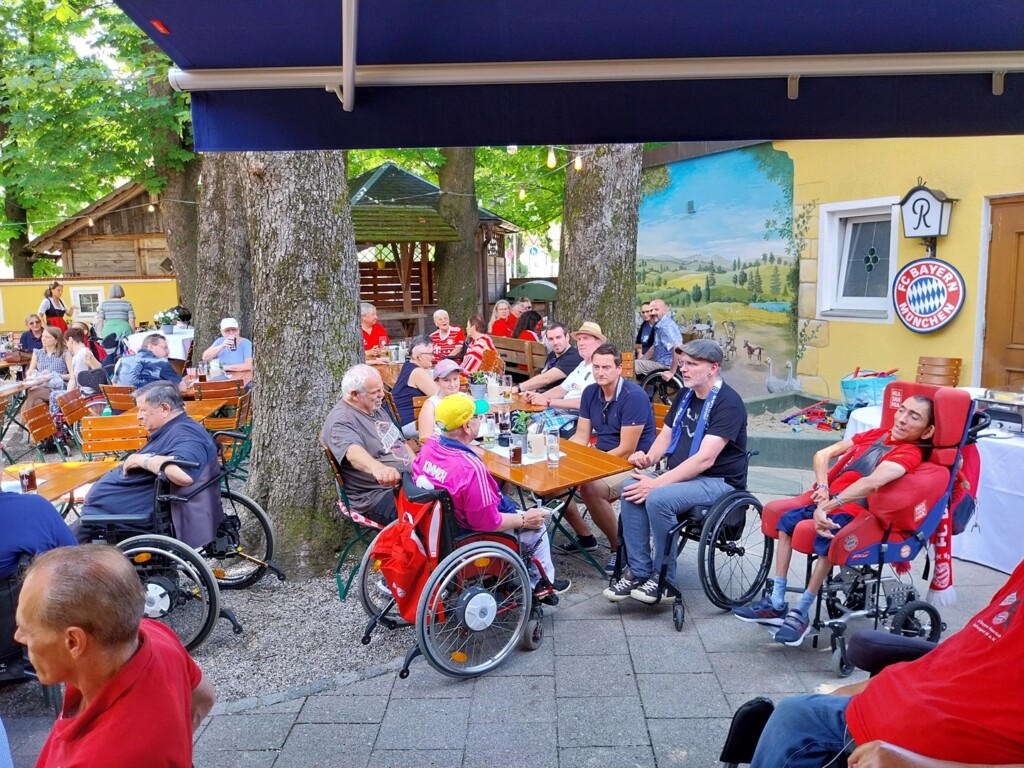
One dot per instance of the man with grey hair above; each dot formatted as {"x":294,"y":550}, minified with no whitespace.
{"x":448,"y":339}
{"x":133,"y":695}
{"x":374,"y":335}
{"x":128,"y":489}
{"x":149,"y":364}
{"x":370,"y":450}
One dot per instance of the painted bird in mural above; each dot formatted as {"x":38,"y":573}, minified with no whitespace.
{"x":791,"y":384}
{"x":773,"y":383}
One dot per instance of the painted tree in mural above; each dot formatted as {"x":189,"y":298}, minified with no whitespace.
{"x":597,"y":274}
{"x":305,"y":284}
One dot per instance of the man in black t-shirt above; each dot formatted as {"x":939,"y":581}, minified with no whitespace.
{"x":561,"y":361}
{"x":705,"y":442}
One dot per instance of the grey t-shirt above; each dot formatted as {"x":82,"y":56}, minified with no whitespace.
{"x":377,"y":434}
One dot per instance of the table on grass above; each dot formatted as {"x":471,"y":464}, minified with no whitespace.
{"x":578,"y":465}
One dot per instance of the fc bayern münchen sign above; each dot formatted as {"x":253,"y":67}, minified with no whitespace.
{"x":928,"y":294}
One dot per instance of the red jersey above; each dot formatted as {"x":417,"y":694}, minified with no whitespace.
{"x":475,"y":354}
{"x":503,"y":326}
{"x":142,"y":716}
{"x":448,"y":346}
{"x":375,"y":337}
{"x":961,"y":701}
{"x":906,"y":455}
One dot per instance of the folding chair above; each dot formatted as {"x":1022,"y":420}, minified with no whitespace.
{"x":119,"y":398}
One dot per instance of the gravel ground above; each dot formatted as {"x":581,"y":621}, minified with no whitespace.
{"x":295,"y":632}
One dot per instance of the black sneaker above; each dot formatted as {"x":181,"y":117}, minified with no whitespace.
{"x":621,"y":589}
{"x":587,"y":544}
{"x":561,"y":586}
{"x":648,"y":592}
{"x":610,"y":563}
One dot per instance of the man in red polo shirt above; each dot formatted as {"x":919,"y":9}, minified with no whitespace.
{"x":133,"y":695}
{"x":374,"y":334}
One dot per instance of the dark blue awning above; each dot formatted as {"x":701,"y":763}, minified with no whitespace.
{"x":868,"y":69}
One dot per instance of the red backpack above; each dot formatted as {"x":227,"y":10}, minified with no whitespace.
{"x":407,"y":551}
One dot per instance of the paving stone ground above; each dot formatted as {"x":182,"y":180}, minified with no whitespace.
{"x":611,"y":685}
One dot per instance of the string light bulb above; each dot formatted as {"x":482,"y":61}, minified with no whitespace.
{"x":151,"y":208}
{"x":512,"y":149}
{"x":90,"y":222}
{"x":552,"y":160}
{"x":578,"y":163}
{"x":522,"y":193}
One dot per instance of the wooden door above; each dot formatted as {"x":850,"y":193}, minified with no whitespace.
{"x":1003,"y":356}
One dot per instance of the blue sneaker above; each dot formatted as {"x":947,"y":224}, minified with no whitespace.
{"x":762,"y":612}
{"x":794,"y":629}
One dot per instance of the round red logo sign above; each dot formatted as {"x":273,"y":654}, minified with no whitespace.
{"x":928,"y":294}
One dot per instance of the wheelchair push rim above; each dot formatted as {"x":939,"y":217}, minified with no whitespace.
{"x":734,"y":554}
{"x":473,"y":610}
{"x":244,"y":545}
{"x":660,"y":391}
{"x":180,"y":588}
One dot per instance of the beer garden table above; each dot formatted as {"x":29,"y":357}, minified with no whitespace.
{"x":12,"y":395}
{"x":577,"y":465}
{"x":57,"y":480}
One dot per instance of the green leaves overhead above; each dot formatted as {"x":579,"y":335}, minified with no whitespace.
{"x":75,"y":115}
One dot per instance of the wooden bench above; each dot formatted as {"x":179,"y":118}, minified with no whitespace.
{"x":523,"y":359}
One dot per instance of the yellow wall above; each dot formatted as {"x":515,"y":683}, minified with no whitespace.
{"x":970,"y":169}
{"x":19,"y":298}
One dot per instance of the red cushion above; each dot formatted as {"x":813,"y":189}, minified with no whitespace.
{"x":904,"y":503}
{"x":773,"y":510}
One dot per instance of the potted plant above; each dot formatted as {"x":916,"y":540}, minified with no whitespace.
{"x":166,"y":321}
{"x":478,"y":385}
{"x":521,"y":421}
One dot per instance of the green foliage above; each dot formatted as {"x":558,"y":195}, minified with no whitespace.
{"x":697,"y":294}
{"x":45,"y":268}
{"x":520,"y":422}
{"x":75,"y":114}
{"x":478,"y":377}
{"x":654,"y":180}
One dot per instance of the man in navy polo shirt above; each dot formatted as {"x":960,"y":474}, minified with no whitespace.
{"x":128,"y":489}
{"x":616,"y":415}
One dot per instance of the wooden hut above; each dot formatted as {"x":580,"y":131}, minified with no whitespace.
{"x":397,"y":226}
{"x":119,"y":234}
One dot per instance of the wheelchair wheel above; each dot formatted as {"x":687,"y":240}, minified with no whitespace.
{"x":659,"y":390}
{"x":371,"y":593}
{"x":534,"y":632}
{"x":244,"y":543}
{"x":840,"y":664}
{"x":473,"y":610}
{"x":180,"y":588}
{"x":918,"y":619}
{"x":734,"y":555}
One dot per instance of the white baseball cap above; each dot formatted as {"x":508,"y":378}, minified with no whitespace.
{"x":228,"y":322}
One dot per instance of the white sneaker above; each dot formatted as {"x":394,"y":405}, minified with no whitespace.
{"x":648,"y":592}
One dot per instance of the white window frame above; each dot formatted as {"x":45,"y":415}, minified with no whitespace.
{"x":77,"y":291}
{"x":832,"y":231}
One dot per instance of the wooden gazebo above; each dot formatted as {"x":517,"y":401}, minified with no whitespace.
{"x":397,"y":226}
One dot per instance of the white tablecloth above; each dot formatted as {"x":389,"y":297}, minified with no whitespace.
{"x":177,"y":343}
{"x":995,"y":537}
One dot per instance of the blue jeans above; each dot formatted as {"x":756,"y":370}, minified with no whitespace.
{"x":805,"y":732}
{"x":657,"y":516}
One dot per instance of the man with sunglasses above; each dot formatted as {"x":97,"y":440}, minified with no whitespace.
{"x":617,"y":418}
{"x":645,"y":334}
{"x":705,"y":442}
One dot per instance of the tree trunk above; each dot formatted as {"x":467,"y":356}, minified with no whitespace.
{"x":457,"y":264}
{"x":15,"y":214}
{"x":305,"y":336}
{"x":597,"y":270}
{"x":180,"y":195}
{"x":223,"y":259}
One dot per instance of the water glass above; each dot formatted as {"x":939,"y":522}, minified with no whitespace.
{"x":489,"y":431}
{"x":552,"y":450}
{"x":506,"y":388}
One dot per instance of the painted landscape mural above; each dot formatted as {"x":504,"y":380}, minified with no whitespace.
{"x":716,"y":244}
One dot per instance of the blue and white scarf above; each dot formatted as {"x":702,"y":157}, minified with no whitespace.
{"x":702,"y":420}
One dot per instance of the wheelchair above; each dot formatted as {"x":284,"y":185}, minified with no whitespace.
{"x":870,"y":650}
{"x":733,"y":554}
{"x":871,"y":555}
{"x":659,"y":390}
{"x":183,"y":582}
{"x":473,"y":604}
